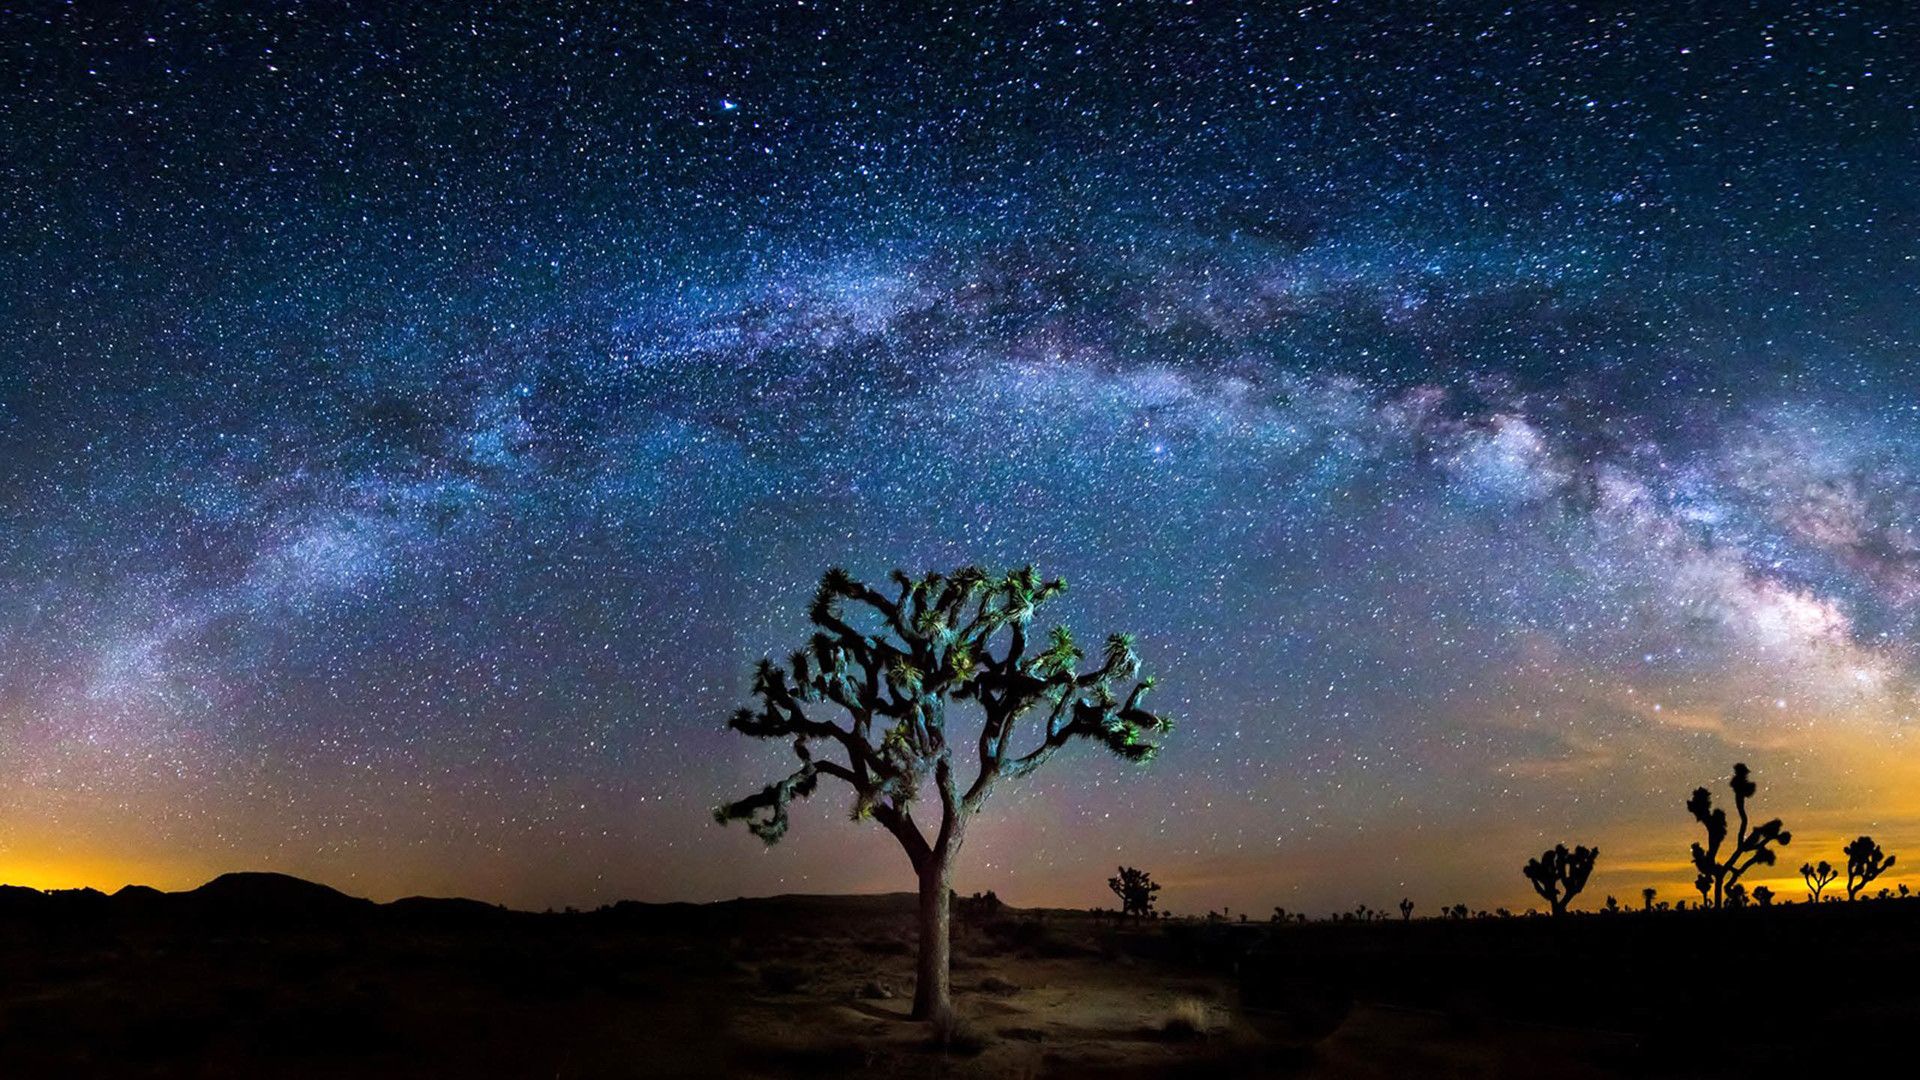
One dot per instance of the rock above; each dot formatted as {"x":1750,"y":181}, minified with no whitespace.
{"x":993,"y":984}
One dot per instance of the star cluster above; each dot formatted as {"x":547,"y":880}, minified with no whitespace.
{"x":1495,"y":420}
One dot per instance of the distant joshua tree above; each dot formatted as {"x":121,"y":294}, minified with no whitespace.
{"x":1135,"y":888}
{"x":1646,"y":898}
{"x":1818,"y":876}
{"x":1865,"y":861}
{"x":1457,"y":911}
{"x":892,"y":664}
{"x":1558,"y":875}
{"x":1736,"y":895}
{"x":1751,"y":846}
{"x":1612,"y":906}
{"x":1406,"y":909}
{"x":1762,"y":896}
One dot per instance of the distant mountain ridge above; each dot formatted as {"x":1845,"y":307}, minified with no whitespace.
{"x":239,"y":896}
{"x":252,"y":895}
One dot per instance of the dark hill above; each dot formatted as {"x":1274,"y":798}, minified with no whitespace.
{"x":268,"y":895}
{"x":445,"y":909}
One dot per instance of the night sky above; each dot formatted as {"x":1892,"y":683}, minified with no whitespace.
{"x":1495,"y":420}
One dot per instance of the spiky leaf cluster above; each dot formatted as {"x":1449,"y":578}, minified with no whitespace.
{"x":890,"y":666}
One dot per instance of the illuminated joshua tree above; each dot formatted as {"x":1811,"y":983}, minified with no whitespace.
{"x":1135,"y":888}
{"x":1752,"y":846}
{"x":893,"y":666}
{"x":1558,"y":875}
{"x":1865,"y":861}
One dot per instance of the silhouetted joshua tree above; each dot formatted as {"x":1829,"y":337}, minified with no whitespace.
{"x":1818,"y":876}
{"x":1135,"y":888}
{"x":1646,"y":898}
{"x":1752,"y":846}
{"x":894,"y":664}
{"x":1865,"y":861}
{"x":1558,"y":875}
{"x":1763,"y":896}
{"x":1406,"y":909}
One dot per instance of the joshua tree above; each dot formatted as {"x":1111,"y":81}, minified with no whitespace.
{"x":1558,"y":875}
{"x":1865,"y":861}
{"x":1406,"y":909}
{"x":1752,"y":846}
{"x":894,"y":665}
{"x":1818,"y":876}
{"x":1646,"y":898}
{"x":1736,"y":895}
{"x":1135,"y":888}
{"x":1613,"y":905}
{"x":1763,"y":896}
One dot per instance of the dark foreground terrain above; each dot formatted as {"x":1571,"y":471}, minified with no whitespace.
{"x":262,"y":975}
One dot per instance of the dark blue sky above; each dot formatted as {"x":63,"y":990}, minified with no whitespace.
{"x":1494,"y":421}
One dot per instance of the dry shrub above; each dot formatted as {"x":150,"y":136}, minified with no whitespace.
{"x":1188,"y":1018}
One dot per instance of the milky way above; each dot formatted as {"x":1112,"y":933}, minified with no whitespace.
{"x":1494,"y":422}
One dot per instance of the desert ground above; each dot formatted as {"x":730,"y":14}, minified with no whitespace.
{"x":263,"y":975}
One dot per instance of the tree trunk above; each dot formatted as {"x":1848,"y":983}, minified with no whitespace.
{"x":932,"y":992}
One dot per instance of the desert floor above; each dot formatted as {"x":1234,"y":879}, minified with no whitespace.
{"x":267,"y":977}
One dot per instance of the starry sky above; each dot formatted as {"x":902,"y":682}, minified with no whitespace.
{"x":1494,"y":419}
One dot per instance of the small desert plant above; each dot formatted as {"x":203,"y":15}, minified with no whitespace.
{"x":1558,"y":875}
{"x":1865,"y":861}
{"x":1136,"y":889}
{"x":1189,"y":1018}
{"x":1818,"y":876}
